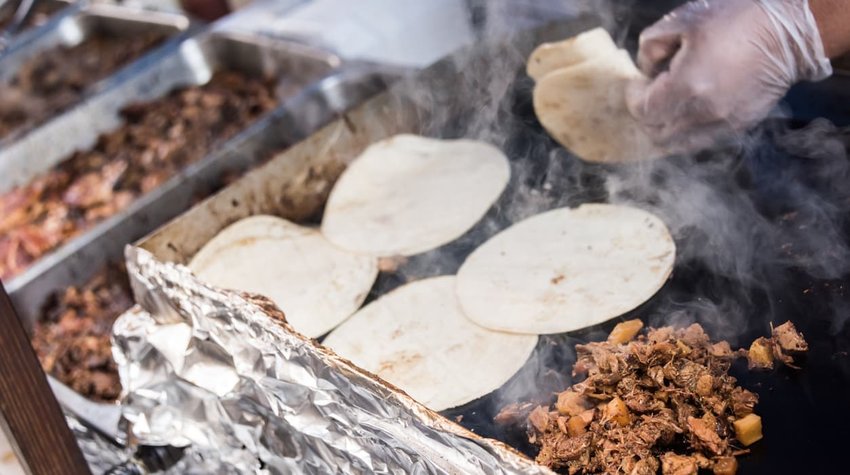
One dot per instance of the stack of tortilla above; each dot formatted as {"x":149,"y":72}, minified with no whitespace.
{"x":580,"y":98}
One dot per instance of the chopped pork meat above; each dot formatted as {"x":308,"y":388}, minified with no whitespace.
{"x":72,"y":339}
{"x":158,"y":139}
{"x":663,"y":401}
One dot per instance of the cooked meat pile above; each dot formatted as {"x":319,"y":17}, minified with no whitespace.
{"x":661,"y":401}
{"x":43,"y":11}
{"x":158,"y":139}
{"x":56,"y":79}
{"x":72,"y":338}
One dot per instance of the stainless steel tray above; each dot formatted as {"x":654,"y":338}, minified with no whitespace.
{"x":77,"y":22}
{"x":26,"y":153}
{"x":331,"y":90}
{"x":55,"y":9}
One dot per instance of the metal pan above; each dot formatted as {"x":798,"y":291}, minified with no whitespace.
{"x":327,"y":94}
{"x":43,"y":13}
{"x":444,"y":100}
{"x":27,"y":153}
{"x":79,"y":21}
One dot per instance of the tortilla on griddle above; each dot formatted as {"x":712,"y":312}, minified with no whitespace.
{"x":315,"y":284}
{"x":417,"y":338}
{"x":410,"y":194}
{"x":566,"y":269}
{"x":584,"y":108}
{"x":550,"y":57}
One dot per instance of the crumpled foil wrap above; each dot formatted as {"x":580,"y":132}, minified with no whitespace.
{"x":101,"y":455}
{"x":222,"y":374}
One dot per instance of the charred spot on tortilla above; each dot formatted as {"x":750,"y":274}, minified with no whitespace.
{"x":315,"y":284}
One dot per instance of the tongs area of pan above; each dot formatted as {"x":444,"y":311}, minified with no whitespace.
{"x":22,"y":14}
{"x":104,"y":419}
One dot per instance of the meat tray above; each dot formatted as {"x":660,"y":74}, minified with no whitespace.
{"x":316,"y":86}
{"x":78,"y":21}
{"x":44,"y":13}
{"x":73,"y":26}
{"x":451,"y":100}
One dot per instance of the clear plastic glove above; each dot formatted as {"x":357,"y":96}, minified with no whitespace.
{"x":720,"y":66}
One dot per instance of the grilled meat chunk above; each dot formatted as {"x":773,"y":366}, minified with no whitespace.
{"x":659,"y":401}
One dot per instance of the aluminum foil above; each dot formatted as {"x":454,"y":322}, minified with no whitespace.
{"x":101,"y":455}
{"x":222,"y":374}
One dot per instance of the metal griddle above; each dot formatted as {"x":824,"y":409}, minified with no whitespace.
{"x":806,"y":413}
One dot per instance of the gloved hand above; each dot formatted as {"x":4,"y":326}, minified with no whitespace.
{"x":720,"y":66}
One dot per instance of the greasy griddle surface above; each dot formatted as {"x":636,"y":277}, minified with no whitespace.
{"x":806,"y":413}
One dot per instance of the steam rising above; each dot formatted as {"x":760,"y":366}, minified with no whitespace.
{"x":744,"y":217}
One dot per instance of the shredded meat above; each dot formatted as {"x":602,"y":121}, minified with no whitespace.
{"x":514,"y":414}
{"x":663,"y":401}
{"x":72,"y":338}
{"x":59,"y":78}
{"x":157,"y":140}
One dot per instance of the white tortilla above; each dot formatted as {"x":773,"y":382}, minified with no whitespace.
{"x":315,"y":284}
{"x":566,"y":269}
{"x":409,"y":194}
{"x":417,"y":338}
{"x":584,"y":108}
{"x":550,"y":57}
